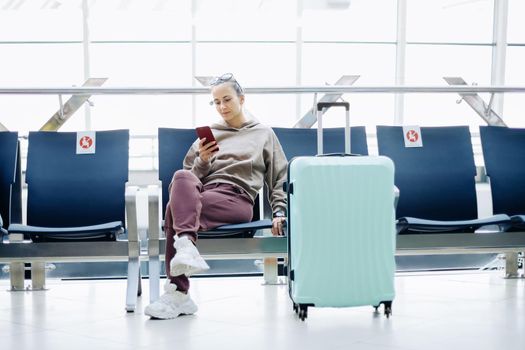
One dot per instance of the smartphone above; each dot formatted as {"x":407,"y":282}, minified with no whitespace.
{"x":205,"y":132}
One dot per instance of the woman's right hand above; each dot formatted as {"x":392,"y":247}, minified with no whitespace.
{"x":207,"y":151}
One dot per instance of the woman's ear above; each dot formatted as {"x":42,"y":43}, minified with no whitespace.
{"x":241,"y":99}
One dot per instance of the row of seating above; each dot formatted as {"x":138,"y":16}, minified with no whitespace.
{"x":64,"y":189}
{"x":436,"y":181}
{"x":77,"y":205}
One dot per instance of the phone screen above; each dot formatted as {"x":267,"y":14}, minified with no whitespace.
{"x":205,"y":132}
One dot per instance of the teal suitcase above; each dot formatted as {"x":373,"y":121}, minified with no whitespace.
{"x":341,"y":232}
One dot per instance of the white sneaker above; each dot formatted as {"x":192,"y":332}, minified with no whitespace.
{"x":187,"y":260}
{"x":171,"y":304}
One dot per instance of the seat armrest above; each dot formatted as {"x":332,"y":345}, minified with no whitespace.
{"x":396,"y":196}
{"x":154,"y":211}
{"x":131,"y":213}
{"x":154,"y":229}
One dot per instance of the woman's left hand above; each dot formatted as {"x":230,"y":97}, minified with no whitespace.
{"x":277,"y":226}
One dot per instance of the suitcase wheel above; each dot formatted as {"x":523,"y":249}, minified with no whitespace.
{"x":303,"y":312}
{"x":388,"y":308}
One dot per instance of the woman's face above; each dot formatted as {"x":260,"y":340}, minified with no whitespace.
{"x":226,"y":101}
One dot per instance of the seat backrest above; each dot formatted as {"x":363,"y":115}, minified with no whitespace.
{"x":173,"y":147}
{"x":504,"y":154}
{"x":66,"y":189}
{"x":303,"y":142}
{"x":10,"y":185}
{"x":436,"y":181}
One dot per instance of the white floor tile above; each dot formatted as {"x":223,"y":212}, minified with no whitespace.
{"x":431,"y":311}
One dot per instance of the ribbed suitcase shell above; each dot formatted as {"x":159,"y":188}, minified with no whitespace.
{"x":341,"y":230}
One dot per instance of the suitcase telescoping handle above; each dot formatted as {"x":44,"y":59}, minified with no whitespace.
{"x":320,"y":107}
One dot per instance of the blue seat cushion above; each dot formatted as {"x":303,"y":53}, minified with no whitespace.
{"x":102,"y":232}
{"x":410,"y":225}
{"x":244,"y":230}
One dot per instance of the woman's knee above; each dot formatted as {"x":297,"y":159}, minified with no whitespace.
{"x":184,"y":179}
{"x":184,"y":175}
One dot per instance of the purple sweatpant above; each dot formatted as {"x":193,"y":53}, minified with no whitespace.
{"x":193,"y":207}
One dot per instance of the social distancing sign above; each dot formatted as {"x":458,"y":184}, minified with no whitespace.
{"x":412,"y":136}
{"x":86,"y":142}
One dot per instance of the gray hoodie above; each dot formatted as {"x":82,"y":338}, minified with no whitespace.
{"x":247,"y":157}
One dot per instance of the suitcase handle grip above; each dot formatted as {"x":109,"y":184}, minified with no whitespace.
{"x":320,"y":108}
{"x":322,"y":105}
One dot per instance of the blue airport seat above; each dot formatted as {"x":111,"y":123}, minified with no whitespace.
{"x":75,"y":197}
{"x":436,"y":181}
{"x":10,"y":180}
{"x":173,"y":146}
{"x":77,"y":205}
{"x":504,"y":154}
{"x":303,"y":142}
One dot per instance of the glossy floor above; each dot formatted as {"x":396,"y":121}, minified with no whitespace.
{"x":431,"y":311}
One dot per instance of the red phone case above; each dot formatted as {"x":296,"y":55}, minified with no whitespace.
{"x":205,"y":132}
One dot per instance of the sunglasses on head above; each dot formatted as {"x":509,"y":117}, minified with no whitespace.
{"x":222,"y":79}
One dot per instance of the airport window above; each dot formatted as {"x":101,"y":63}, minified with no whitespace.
{"x":277,"y":69}
{"x":37,"y":65}
{"x":357,"y":20}
{"x":427,"y":65}
{"x":141,"y":65}
{"x":515,"y":30}
{"x":324,"y":63}
{"x":216,"y":21}
{"x":449,"y":21}
{"x":166,"y":21}
{"x":40,"y":21}
{"x":515,"y":75}
{"x":515,"y":56}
